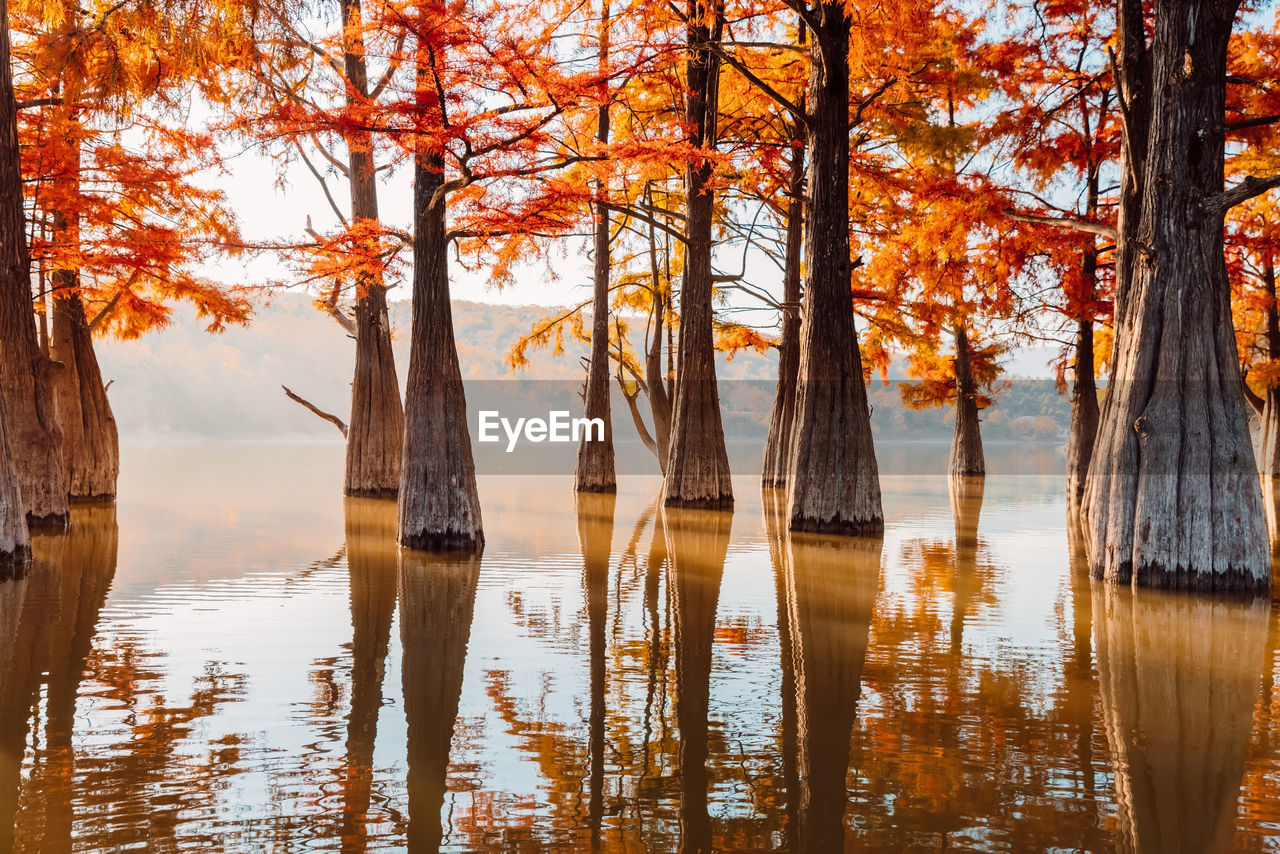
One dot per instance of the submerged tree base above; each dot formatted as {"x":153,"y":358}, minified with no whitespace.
{"x":839,"y":527}
{"x":389,"y":493}
{"x":446,"y":542}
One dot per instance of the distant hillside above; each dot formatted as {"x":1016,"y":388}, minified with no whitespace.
{"x":184,"y":381}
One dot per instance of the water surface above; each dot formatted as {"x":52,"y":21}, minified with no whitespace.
{"x":234,"y":658}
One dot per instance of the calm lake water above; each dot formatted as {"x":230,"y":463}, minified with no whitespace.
{"x":235,"y":659}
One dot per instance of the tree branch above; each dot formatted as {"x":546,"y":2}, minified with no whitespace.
{"x":1065,"y":222}
{"x":1247,"y":189}
{"x":332,"y":419}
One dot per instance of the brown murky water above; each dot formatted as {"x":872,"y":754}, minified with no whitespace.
{"x":236,"y":659}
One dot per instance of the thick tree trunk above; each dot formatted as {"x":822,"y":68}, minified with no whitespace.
{"x":966,"y":458}
{"x":697,"y":542}
{"x":92,"y":443}
{"x":15,"y":542}
{"x":1083,"y":431}
{"x":834,"y":484}
{"x":439,"y":505}
{"x":595,"y":537}
{"x":595,"y":470}
{"x":777,"y":446}
{"x":1178,"y":678}
{"x":26,"y":376}
{"x":698,"y":464}
{"x":437,"y":601}
{"x":831,"y":592}
{"x":372,"y":565}
{"x":375,"y":433}
{"x":1172,"y":498}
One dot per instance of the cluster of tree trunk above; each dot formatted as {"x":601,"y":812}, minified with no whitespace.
{"x":1172,"y":496}
{"x":27,"y":376}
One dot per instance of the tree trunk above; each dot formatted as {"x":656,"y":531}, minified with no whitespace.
{"x":834,"y":484}
{"x":437,"y":601}
{"x":1269,"y":413}
{"x":831,"y":592}
{"x":655,"y":378}
{"x":1172,"y":498}
{"x":375,"y":434}
{"x":698,"y":464}
{"x":439,"y":505}
{"x":777,"y":446}
{"x":1178,"y":679}
{"x":92,"y":444}
{"x":372,"y":568}
{"x":697,"y":542}
{"x":1083,"y":432}
{"x":595,"y":470}
{"x":595,"y":537}
{"x":26,"y":376}
{"x":19,"y":683}
{"x":966,"y":458}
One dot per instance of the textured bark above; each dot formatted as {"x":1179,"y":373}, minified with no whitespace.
{"x":966,"y":459}
{"x":437,"y":601}
{"x":697,"y":542}
{"x":777,"y":446}
{"x":698,"y":465}
{"x":1172,"y":498}
{"x":1082,"y":433}
{"x":439,"y":505}
{"x":834,"y":484}
{"x":376,"y":427}
{"x":595,"y":537}
{"x":372,"y":566}
{"x":15,"y":541}
{"x":595,"y":468}
{"x":91,"y":441}
{"x":1178,"y":679}
{"x":71,"y":576}
{"x":26,"y":376}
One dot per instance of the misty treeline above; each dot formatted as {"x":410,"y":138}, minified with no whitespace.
{"x":848,"y":183}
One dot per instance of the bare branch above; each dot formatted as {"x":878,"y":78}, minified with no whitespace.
{"x":306,"y":404}
{"x":1065,"y":222}
{"x":1247,"y":189}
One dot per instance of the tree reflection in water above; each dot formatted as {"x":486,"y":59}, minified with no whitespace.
{"x":1179,"y":682}
{"x":437,"y":601}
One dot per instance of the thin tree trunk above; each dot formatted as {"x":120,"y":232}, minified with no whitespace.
{"x":697,"y":542}
{"x":1178,"y":680}
{"x":1083,"y":431}
{"x":26,"y":376}
{"x":372,"y":567}
{"x":437,"y":601}
{"x":698,"y":465}
{"x":1172,"y":498}
{"x":376,"y":427}
{"x":439,"y":504}
{"x":966,"y":458}
{"x":595,"y":469}
{"x":655,"y":378}
{"x":1269,"y":461}
{"x":834,"y":484}
{"x":777,"y":446}
{"x":595,"y":538}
